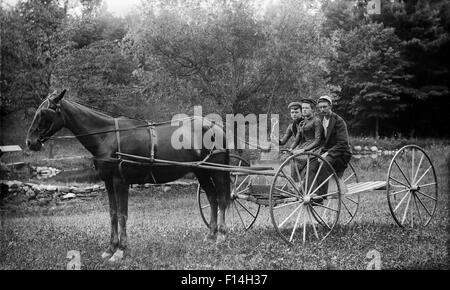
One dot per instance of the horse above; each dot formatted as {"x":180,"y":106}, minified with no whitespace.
{"x":105,"y":137}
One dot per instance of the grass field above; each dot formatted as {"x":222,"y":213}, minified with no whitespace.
{"x":165,"y":231}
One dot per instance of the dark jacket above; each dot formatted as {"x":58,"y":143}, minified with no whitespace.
{"x":336,"y":141}
{"x":291,"y":131}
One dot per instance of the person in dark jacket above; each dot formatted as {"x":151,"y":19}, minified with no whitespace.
{"x":295,"y":109}
{"x":336,"y":147}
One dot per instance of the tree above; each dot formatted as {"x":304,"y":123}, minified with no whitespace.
{"x":30,"y":45}
{"x":229,"y":56}
{"x":371,"y":73}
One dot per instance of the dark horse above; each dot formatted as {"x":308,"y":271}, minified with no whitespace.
{"x":104,"y":136}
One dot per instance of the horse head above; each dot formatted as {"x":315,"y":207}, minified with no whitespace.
{"x":46,"y":122}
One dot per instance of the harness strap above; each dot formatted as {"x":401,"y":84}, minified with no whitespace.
{"x":116,"y":126}
{"x":153,"y":141}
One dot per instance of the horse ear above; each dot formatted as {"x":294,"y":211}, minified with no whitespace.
{"x":60,"y":96}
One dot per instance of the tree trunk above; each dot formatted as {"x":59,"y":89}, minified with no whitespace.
{"x":377,"y":126}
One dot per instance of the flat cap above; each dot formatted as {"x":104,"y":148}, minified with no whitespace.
{"x":309,"y":101}
{"x":294,"y":104}
{"x":326,"y":99}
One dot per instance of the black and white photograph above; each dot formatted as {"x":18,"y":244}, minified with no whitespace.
{"x":250,"y":137}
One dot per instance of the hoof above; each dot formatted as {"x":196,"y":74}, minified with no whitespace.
{"x":221,"y":238}
{"x":106,"y":255}
{"x":210,"y":238}
{"x":118,"y":256}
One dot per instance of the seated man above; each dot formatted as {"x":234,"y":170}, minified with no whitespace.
{"x":291,"y":131}
{"x":336,"y":147}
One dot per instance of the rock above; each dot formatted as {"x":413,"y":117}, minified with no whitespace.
{"x":357,"y":148}
{"x":69,"y":195}
{"x":366,"y":148}
{"x":165,"y":188}
{"x":95,"y":187}
{"x":357,"y":156}
{"x":63,"y":188}
{"x":31,"y":194}
{"x":374,"y":149}
{"x":78,"y":190}
{"x":51,"y":188}
{"x":374,"y":156}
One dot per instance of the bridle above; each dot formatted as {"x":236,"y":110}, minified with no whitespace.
{"x":51,"y":105}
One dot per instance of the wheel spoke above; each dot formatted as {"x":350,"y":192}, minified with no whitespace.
{"x":315,"y":178}
{"x":285,"y":192}
{"x":345,"y":180}
{"x":412,"y":166}
{"x":296,"y":223}
{"x":325,"y":181}
{"x":307,"y":174}
{"x":400,"y":191}
{"x":315,"y":213}
{"x":428,"y":184}
{"x":289,"y":216}
{"x":424,"y":194}
{"x":239,"y":214}
{"x":321,"y":205}
{"x":398,"y":205}
{"x":417,"y":207}
{"x":245,"y":208}
{"x":423,"y":175}
{"x":243,"y":181}
{"x":398,"y":181}
{"x":291,"y":182}
{"x":287,"y":204}
{"x":355,"y":202}
{"x":312,"y":223}
{"x":347,"y":209}
{"x":426,"y":209}
{"x":407,"y":207}
{"x":401,"y":171}
{"x":418,"y":167}
{"x":304,"y":229}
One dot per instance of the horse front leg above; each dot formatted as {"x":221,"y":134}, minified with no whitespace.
{"x":114,"y":239}
{"x":222,"y":190}
{"x":121,"y":194}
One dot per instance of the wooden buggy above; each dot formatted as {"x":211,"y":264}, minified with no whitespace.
{"x":299,"y":213}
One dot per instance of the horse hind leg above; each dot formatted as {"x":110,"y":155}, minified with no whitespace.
{"x":208,"y":186}
{"x":222,"y":189}
{"x":114,"y":239}
{"x":121,"y":194}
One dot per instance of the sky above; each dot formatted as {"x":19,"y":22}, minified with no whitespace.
{"x":116,"y":7}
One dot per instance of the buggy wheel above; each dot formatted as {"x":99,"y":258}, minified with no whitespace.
{"x":411,"y":187}
{"x":349,"y":202}
{"x":241,"y":214}
{"x":300,"y":190}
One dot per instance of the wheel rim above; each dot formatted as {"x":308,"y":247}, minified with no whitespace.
{"x":350,"y":202}
{"x":412,"y":188}
{"x":240,"y":214}
{"x":294,"y":208}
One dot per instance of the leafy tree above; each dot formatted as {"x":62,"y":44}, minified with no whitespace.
{"x":30,"y":44}
{"x":371,"y":73}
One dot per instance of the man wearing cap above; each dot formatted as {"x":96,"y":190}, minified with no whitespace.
{"x":336,"y":147}
{"x":295,"y":111}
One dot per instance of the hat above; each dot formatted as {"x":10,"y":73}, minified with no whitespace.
{"x":326,"y":99}
{"x":309,"y":101}
{"x":294,"y":104}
